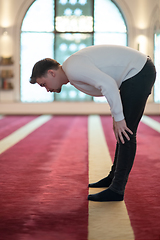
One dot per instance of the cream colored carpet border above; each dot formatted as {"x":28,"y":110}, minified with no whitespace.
{"x":151,"y":123}
{"x":22,"y":132}
{"x":107,"y":221}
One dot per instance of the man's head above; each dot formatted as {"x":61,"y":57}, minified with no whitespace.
{"x":48,"y":73}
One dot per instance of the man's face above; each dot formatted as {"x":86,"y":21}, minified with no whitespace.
{"x":51,"y":81}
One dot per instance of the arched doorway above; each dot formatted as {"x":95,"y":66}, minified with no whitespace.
{"x":57,"y":29}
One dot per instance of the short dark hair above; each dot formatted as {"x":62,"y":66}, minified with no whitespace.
{"x":41,"y":67}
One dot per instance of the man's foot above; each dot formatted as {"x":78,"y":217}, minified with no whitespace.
{"x":105,"y":196}
{"x":105,"y":182}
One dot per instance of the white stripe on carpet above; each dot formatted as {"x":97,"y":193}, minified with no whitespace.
{"x":151,"y":123}
{"x":107,"y":220}
{"x":22,"y":132}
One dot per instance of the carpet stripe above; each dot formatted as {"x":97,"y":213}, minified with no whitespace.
{"x":22,"y":132}
{"x":110,"y":220}
{"x":155,"y":117}
{"x":151,"y":123}
{"x":10,"y":124}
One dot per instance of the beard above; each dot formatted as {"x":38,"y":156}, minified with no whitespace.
{"x":58,"y":90}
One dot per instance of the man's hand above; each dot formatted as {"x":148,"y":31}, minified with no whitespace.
{"x":120,"y":129}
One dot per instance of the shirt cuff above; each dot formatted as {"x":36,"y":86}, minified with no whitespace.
{"x":118,"y":117}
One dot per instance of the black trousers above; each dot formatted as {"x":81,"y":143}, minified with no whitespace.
{"x":134,"y":93}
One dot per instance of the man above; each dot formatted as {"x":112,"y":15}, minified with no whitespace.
{"x":125,"y":77}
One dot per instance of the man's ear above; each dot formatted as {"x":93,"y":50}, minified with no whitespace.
{"x":52,"y":72}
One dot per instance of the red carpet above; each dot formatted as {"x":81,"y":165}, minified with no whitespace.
{"x":142,"y":195}
{"x":156,"y":118}
{"x":10,"y":124}
{"x":43,"y":183}
{"x":44,"y":179}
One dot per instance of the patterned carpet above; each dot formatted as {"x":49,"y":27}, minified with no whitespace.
{"x":46,"y":163}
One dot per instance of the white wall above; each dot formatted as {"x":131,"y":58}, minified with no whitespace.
{"x":142,"y":18}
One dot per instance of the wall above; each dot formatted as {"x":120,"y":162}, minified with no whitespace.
{"x":142,"y":18}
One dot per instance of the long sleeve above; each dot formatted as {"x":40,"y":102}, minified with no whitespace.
{"x":85,"y":76}
{"x":100,"y":70}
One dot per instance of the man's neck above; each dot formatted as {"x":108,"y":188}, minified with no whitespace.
{"x":64,"y":77}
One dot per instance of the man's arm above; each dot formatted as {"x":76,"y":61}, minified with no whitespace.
{"x":81,"y":69}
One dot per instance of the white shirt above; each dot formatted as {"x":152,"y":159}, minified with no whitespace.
{"x":100,"y":70}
